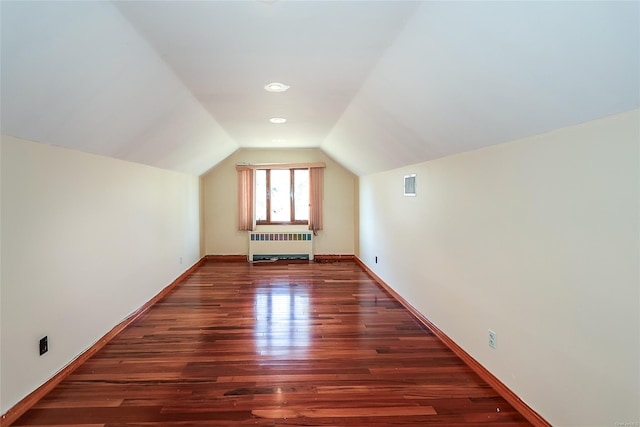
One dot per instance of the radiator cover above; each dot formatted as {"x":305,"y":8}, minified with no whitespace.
{"x":281,"y":245}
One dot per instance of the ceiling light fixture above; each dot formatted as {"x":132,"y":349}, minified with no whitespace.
{"x":276,"y":87}
{"x":278,"y":120}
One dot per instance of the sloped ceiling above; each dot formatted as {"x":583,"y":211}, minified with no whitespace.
{"x":374,"y":84}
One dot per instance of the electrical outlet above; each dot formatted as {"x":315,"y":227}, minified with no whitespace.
{"x":44,"y":345}
{"x":180,"y":260}
{"x":493,"y":339}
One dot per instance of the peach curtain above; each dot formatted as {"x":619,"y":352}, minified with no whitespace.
{"x":316,"y":190}
{"x":245,"y":199}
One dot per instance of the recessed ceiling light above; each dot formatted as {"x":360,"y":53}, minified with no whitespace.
{"x":276,"y":87}
{"x":278,"y":120}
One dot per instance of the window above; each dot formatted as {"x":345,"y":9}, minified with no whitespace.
{"x":280,"y":193}
{"x":282,"y":196}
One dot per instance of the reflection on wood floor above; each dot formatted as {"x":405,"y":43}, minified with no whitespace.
{"x":275,"y":344}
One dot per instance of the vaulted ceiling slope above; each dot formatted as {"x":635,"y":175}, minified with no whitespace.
{"x":374,"y":84}
{"x":464,"y":75}
{"x":76,"y":74}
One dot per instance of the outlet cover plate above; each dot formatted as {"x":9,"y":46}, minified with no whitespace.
{"x":493,"y":339}
{"x":44,"y":345}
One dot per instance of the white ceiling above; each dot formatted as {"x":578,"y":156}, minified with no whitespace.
{"x":374,"y":84}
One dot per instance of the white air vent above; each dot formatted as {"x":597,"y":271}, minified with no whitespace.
{"x":410,"y":185}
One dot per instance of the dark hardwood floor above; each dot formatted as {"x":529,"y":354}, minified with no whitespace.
{"x":274,"y":344}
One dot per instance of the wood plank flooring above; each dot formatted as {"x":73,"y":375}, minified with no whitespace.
{"x":274,"y":344}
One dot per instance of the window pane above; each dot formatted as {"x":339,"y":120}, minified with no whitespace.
{"x":301,"y":194}
{"x":261,"y":195}
{"x":280,"y":195}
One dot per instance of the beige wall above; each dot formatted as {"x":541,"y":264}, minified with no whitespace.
{"x":86,"y":240}
{"x":538,"y":240}
{"x":221,"y":235}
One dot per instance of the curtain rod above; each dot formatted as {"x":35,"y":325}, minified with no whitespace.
{"x":240,"y":166}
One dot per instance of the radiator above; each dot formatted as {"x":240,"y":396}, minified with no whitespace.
{"x":290,"y":245}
